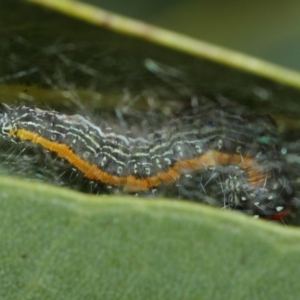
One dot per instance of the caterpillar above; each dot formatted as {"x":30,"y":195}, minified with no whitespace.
{"x":243,"y":148}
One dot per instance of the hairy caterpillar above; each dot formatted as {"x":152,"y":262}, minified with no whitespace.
{"x":244,"y":148}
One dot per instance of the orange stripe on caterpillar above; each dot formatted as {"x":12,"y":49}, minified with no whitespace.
{"x":133,"y":184}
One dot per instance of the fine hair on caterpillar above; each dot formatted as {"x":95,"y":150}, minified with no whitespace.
{"x":228,"y":155}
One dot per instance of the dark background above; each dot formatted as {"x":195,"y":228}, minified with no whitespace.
{"x":267,"y":29}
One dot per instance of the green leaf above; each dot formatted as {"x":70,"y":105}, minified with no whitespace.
{"x":57,"y":244}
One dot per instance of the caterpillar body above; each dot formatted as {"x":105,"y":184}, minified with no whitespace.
{"x":244,"y":149}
